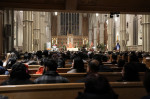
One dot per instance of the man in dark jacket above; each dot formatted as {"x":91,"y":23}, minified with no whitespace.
{"x":50,"y":75}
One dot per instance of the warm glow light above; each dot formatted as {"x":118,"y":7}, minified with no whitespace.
{"x":97,"y":14}
{"x":56,"y":13}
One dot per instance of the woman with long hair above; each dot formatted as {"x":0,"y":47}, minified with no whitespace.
{"x":77,"y":66}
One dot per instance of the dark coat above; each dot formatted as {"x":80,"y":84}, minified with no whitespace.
{"x":97,"y":96}
{"x":17,"y":82}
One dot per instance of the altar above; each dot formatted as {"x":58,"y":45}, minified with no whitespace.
{"x":72,"y":49}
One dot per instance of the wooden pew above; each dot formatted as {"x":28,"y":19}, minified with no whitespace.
{"x":31,"y":71}
{"x":64,"y":70}
{"x":74,"y":77}
{"x":125,"y":90}
{"x":70,"y":65}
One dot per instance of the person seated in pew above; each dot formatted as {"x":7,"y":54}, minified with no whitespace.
{"x":146,"y":84}
{"x":121,"y":63}
{"x":77,"y":66}
{"x":92,"y":69}
{"x":114,"y":59}
{"x":97,"y":87}
{"x":3,"y":71}
{"x":134,"y":61}
{"x":18,"y":76}
{"x":130,"y":73}
{"x":50,"y":75}
{"x":102,"y":68}
{"x":61,"y":61}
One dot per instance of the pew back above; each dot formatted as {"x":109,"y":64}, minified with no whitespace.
{"x":74,"y":77}
{"x":125,"y":90}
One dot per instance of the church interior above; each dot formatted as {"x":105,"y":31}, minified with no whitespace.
{"x":63,"y":39}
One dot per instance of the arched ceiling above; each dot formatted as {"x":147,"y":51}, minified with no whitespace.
{"x":123,"y":6}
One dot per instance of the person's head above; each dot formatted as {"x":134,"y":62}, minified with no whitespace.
{"x":104,"y":58}
{"x":130,"y":73}
{"x":50,"y":65}
{"x":45,"y":53}
{"x":97,"y":85}
{"x":93,"y":66}
{"x":11,"y":62}
{"x":19,"y":71}
{"x":1,"y":63}
{"x":121,"y":63}
{"x":98,"y":57}
{"x":114,"y":57}
{"x":146,"y":81}
{"x":39,"y":54}
{"x":133,"y":58}
{"x":78,"y":64}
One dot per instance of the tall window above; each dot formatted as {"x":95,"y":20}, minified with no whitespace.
{"x":69,"y":23}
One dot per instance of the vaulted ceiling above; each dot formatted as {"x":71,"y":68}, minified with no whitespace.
{"x":123,"y":6}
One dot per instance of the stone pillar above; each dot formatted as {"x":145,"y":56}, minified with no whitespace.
{"x":27,"y":31}
{"x":36,"y":31}
{"x":90,"y":29}
{"x":146,"y":32}
{"x":42,"y":30}
{"x":95,"y":38}
{"x":58,"y":24}
{"x":1,"y":34}
{"x":101,"y":29}
{"x":80,"y":24}
{"x":110,"y":34}
{"x":123,"y":32}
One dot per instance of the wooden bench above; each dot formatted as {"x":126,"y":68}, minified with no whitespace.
{"x":125,"y":90}
{"x":74,"y":77}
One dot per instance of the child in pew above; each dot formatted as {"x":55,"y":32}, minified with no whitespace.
{"x":50,"y":75}
{"x":77,"y":66}
{"x":146,"y":84}
{"x":97,"y":87}
{"x":18,"y":76}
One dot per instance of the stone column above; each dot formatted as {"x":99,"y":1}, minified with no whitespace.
{"x":58,"y":24}
{"x":42,"y":30}
{"x":123,"y":32}
{"x":27,"y":31}
{"x":95,"y":37}
{"x":101,"y":29}
{"x":1,"y":34}
{"x":146,"y":32}
{"x":36,"y":31}
{"x":80,"y":24}
{"x":110,"y":34}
